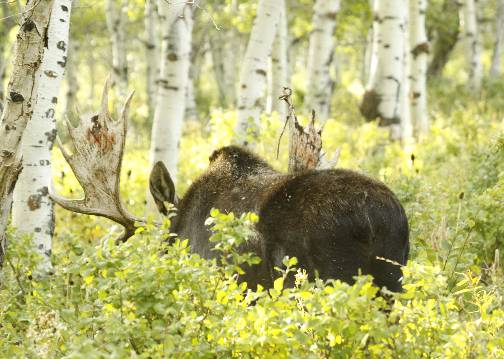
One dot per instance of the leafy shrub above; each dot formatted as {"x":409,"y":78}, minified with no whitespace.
{"x":147,"y":299}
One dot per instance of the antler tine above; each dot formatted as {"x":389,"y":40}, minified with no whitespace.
{"x":96,"y":162}
{"x":66,"y":154}
{"x":127,"y":103}
{"x":327,"y":163}
{"x":70,"y":128}
{"x":104,"y":109}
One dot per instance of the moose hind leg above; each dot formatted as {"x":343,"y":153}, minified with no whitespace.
{"x":386,"y":273}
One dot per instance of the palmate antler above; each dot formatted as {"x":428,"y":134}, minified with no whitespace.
{"x":96,"y":162}
{"x":305,"y":143}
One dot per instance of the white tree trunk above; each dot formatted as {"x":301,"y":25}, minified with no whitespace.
{"x":71,"y":78}
{"x":495,"y":67}
{"x":253,"y":74}
{"x":419,"y":48}
{"x":116,"y":24}
{"x":368,"y":52}
{"x":472,"y":45}
{"x":191,"y":111}
{"x":320,"y":57}
{"x":176,"y":22}
{"x":32,"y":209}
{"x":406,"y":128}
{"x":383,"y":91}
{"x":224,"y":48}
{"x":279,"y":66}
{"x":22,"y":89}
{"x":151,"y":53}
{"x":6,"y":24}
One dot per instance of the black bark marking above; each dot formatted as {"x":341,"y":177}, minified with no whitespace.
{"x":61,"y":45}
{"x":331,"y":15}
{"x":261,"y":72}
{"x":422,"y":48}
{"x":34,"y":203}
{"x":51,"y":135}
{"x":50,"y":113}
{"x":64,"y":8}
{"x":6,"y":154}
{"x":16,"y":97}
{"x":62,"y":63}
{"x":44,"y":191}
{"x":28,"y":26}
{"x":51,"y":74}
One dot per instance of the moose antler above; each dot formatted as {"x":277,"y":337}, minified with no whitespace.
{"x":96,"y":162}
{"x":305,"y":144}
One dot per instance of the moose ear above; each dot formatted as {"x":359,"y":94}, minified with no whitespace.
{"x":162,"y":187}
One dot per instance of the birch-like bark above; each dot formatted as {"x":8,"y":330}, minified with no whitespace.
{"x":279,"y":66}
{"x":6,"y":24}
{"x":116,"y":24}
{"x":223,"y":50}
{"x":495,"y":67}
{"x":368,"y":52}
{"x":176,"y":22}
{"x":71,"y":78}
{"x":382,"y":98}
{"x":419,"y":49}
{"x":253,"y":76}
{"x":472,"y":45}
{"x":191,"y":111}
{"x":22,"y":89}
{"x":199,"y":47}
{"x":406,"y":134}
{"x":320,"y":57}
{"x":32,"y":209}
{"x":151,"y":53}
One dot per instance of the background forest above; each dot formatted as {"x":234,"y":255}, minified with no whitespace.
{"x":408,"y":92}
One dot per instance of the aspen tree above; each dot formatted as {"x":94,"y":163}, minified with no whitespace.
{"x":419,"y":48}
{"x":176,"y":23}
{"x":495,"y":67}
{"x":116,"y":24}
{"x":320,"y":57}
{"x":254,"y":69}
{"x":32,"y":209}
{"x":472,"y":44}
{"x":22,"y":90}
{"x":383,"y":96}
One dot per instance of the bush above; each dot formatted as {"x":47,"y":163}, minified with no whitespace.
{"x":147,"y":299}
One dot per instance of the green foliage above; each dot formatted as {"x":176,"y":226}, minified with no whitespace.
{"x":182,"y":305}
{"x":148,"y":299}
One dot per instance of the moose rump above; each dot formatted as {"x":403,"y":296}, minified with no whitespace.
{"x":338,"y":223}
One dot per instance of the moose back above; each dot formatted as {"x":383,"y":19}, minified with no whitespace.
{"x":336,"y":222}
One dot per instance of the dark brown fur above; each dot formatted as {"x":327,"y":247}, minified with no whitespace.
{"x":336,"y":222}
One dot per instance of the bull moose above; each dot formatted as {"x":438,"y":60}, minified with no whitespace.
{"x":336,"y":222}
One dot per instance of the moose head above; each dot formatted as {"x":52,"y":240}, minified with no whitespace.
{"x":338,"y":223}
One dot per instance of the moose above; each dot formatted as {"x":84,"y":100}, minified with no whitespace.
{"x":337,"y":222}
